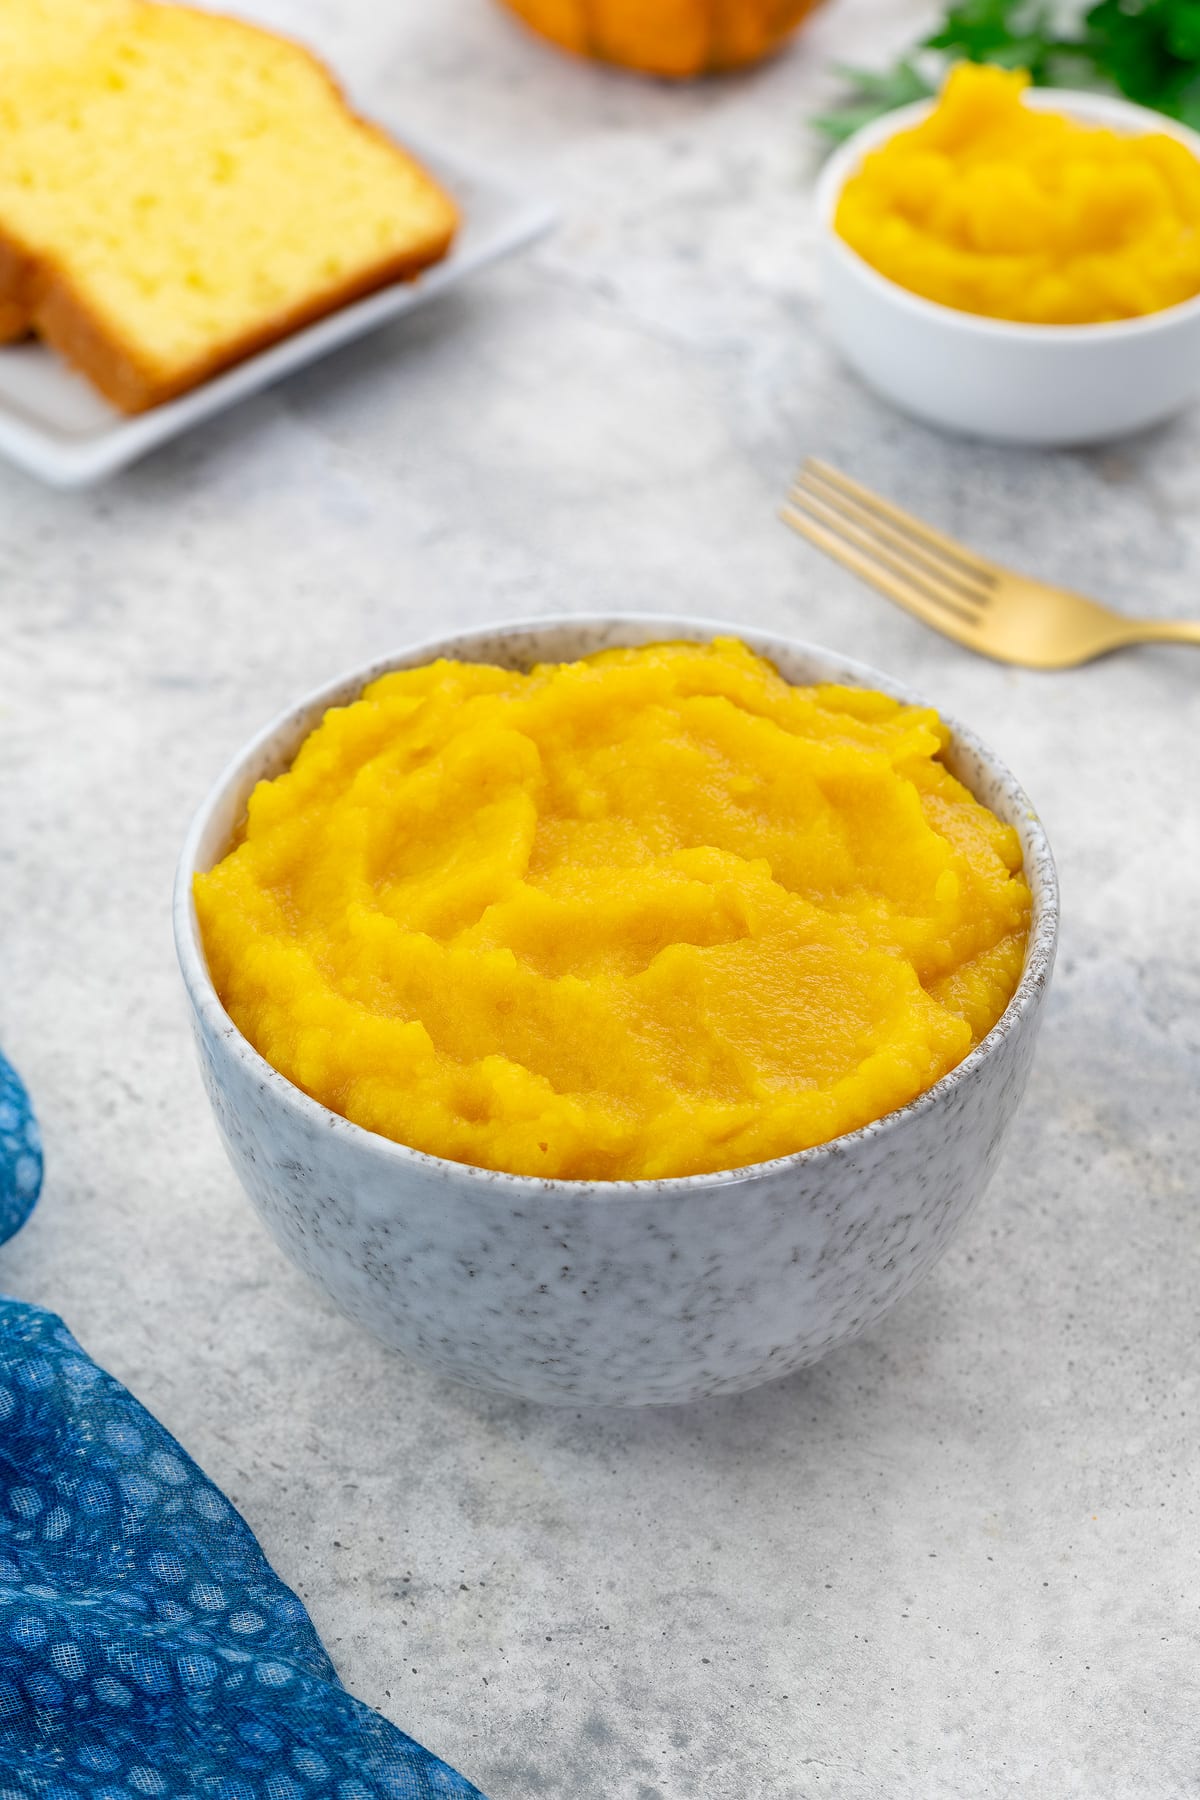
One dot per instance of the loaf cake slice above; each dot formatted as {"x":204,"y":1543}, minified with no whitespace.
{"x":178,"y":190}
{"x":38,"y":37}
{"x":48,"y":34}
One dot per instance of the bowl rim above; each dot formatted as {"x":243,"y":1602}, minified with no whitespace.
{"x":1089,"y":108}
{"x":648,"y":628}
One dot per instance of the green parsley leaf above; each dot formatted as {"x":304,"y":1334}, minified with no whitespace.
{"x":1148,"y":50}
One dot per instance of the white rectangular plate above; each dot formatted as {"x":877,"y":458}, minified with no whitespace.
{"x":55,"y":425}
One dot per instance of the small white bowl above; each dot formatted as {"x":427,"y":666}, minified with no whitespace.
{"x":627,"y":1293}
{"x":995,"y":378}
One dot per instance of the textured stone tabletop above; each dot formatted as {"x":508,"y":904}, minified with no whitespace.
{"x":959,"y":1558}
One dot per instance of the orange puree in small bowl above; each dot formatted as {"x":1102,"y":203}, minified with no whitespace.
{"x":653,"y":913}
{"x":996,"y":208}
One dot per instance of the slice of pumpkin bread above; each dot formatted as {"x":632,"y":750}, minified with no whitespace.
{"x":38,"y":37}
{"x":178,"y":190}
{"x":48,"y":34}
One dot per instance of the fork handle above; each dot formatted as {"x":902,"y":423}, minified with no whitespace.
{"x":1164,"y":631}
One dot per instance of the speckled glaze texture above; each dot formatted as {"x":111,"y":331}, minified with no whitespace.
{"x":624,"y":1293}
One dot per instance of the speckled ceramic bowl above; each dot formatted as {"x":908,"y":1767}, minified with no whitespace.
{"x":625,"y":1293}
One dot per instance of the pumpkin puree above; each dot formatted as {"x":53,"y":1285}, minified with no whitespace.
{"x":993,"y":208}
{"x":652,"y":913}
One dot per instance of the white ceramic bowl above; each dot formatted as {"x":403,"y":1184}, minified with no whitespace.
{"x":990,"y":378}
{"x":629,"y":1293}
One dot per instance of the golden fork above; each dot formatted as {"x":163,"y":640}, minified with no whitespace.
{"x":977,"y":603}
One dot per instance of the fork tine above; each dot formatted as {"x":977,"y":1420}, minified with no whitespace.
{"x":901,"y":565}
{"x":891,"y":548}
{"x":908,"y":594}
{"x":969,"y":591}
{"x":957,"y":553}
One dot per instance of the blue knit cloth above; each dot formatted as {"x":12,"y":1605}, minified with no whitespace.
{"x":20,"y":1154}
{"x":147,"y":1649}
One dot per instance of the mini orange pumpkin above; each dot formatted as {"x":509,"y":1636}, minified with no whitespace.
{"x":677,"y":38}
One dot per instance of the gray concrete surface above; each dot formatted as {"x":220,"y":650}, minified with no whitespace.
{"x":958,"y":1559}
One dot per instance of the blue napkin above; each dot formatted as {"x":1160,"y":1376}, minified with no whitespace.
{"x":147,"y":1649}
{"x":20,"y":1154}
